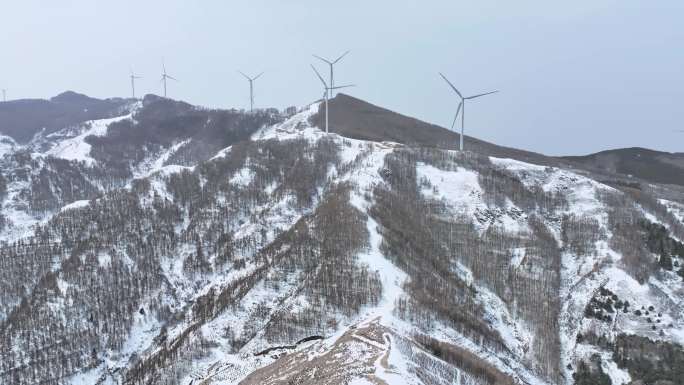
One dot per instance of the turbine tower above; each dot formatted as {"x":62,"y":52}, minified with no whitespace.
{"x":461,"y":107}
{"x":331,"y":63}
{"x":4,"y":95}
{"x":166,"y":76}
{"x":133,"y":77}
{"x":251,"y":88}
{"x":326,"y":94}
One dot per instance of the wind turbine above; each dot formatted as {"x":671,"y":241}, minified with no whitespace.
{"x":166,"y":76}
{"x":326,"y":93}
{"x":331,"y":63}
{"x":133,"y":77}
{"x":251,"y":88}
{"x":461,"y":107}
{"x":4,"y":95}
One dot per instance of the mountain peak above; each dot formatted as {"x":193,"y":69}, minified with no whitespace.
{"x":72,"y":97}
{"x":358,"y":119}
{"x":23,"y":118}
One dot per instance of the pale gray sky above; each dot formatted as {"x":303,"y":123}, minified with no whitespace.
{"x":576,"y":76}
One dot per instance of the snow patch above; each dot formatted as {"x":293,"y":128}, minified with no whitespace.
{"x":460,"y":188}
{"x":461,"y":191}
{"x":294,"y":127}
{"x":7,"y":145}
{"x":77,"y":148}
{"x":75,"y":205}
{"x":156,"y":162}
{"x":243,"y":177}
{"x":676,"y":208}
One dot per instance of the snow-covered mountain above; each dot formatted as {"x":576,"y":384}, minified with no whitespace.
{"x":178,"y":245}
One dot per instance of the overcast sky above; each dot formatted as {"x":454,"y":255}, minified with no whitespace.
{"x":575,"y":76}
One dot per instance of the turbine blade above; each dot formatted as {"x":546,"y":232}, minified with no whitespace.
{"x":344,"y":86}
{"x":458,"y":110}
{"x":243,"y":74}
{"x":478,"y":95}
{"x":452,"y":86}
{"x":341,"y":56}
{"x":319,"y":76}
{"x":320,"y":58}
{"x":171,"y":77}
{"x":258,"y":76}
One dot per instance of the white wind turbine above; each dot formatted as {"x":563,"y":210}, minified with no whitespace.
{"x":133,"y":77}
{"x":461,"y":106}
{"x":166,"y":76}
{"x":326,"y":93}
{"x":251,"y":88}
{"x":331,"y":63}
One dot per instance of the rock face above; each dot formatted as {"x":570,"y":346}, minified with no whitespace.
{"x":178,"y":245}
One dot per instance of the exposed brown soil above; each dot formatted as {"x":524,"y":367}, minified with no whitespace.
{"x":349,"y":357}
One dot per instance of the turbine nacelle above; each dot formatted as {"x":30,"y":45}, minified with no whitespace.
{"x":133,"y":76}
{"x":165,"y":76}
{"x":331,"y":63}
{"x":250,"y":79}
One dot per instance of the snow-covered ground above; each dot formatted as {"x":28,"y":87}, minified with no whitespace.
{"x":583,"y":275}
{"x":76,"y":147}
{"x":460,"y":191}
{"x":15,"y":209}
{"x":75,"y":205}
{"x":155,"y":162}
{"x":676,"y":208}
{"x":454,"y":188}
{"x":7,"y":145}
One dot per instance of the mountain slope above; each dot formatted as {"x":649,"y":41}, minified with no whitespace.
{"x":295,"y":256}
{"x":355,"y":118}
{"x":649,"y":165}
{"x":358,"y":119}
{"x":22,"y":119}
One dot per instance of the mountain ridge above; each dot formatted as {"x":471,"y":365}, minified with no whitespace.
{"x":647,"y":164}
{"x":431,"y":134}
{"x":22,"y":119}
